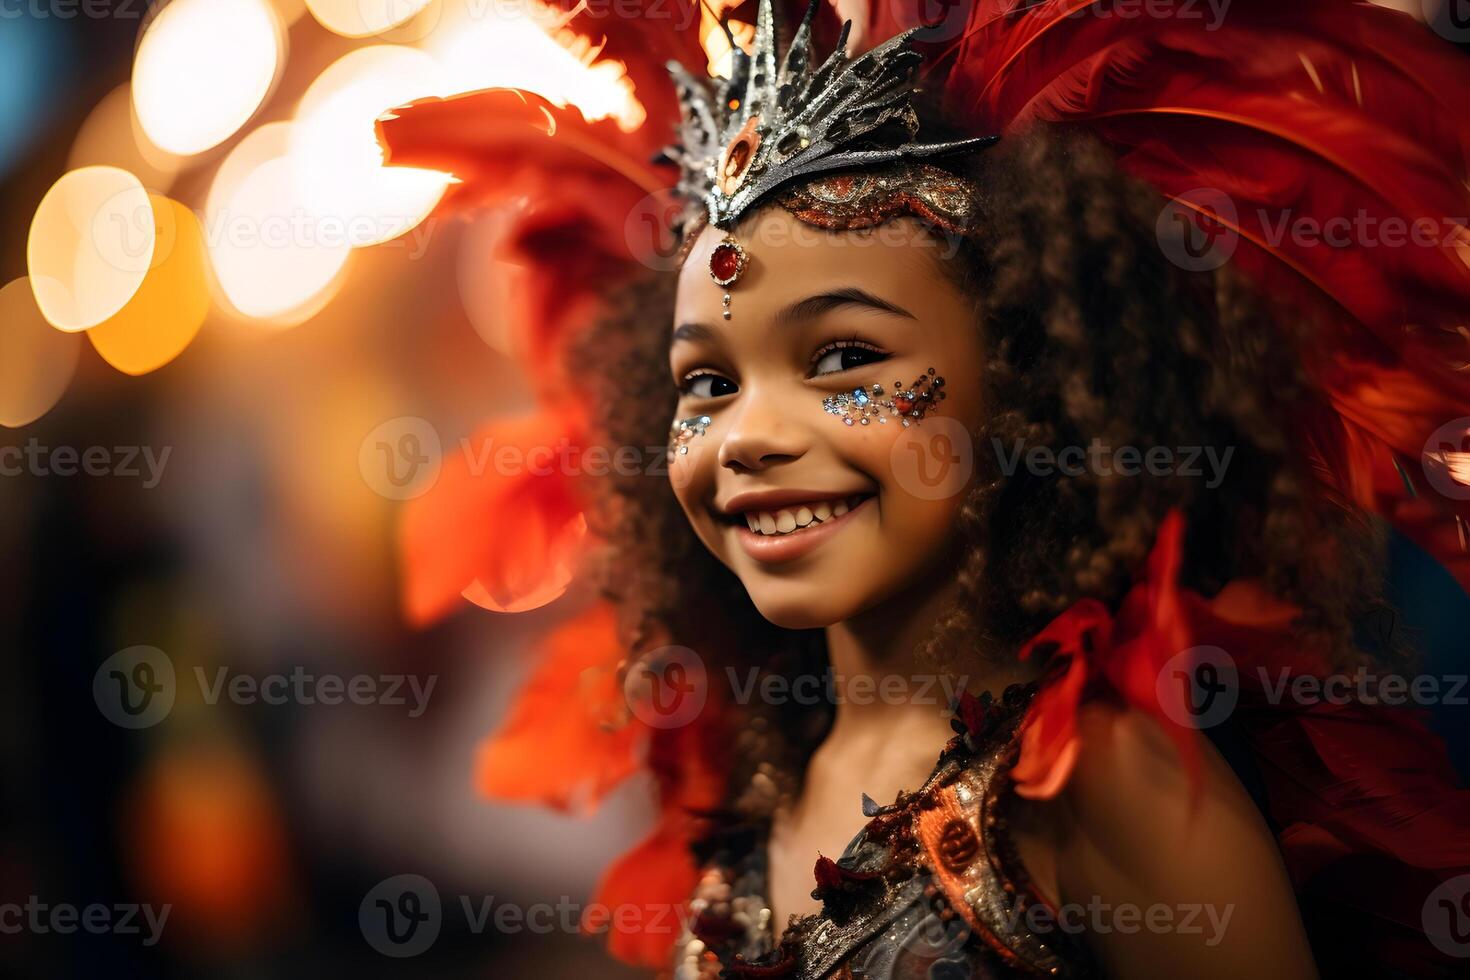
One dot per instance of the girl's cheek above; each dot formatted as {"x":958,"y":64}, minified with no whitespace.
{"x":691,"y":456}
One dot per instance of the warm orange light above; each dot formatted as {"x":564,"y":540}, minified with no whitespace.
{"x":90,"y":245}
{"x":484,"y":45}
{"x":111,"y":137}
{"x":202,"y":70}
{"x":168,"y":310}
{"x":337,"y":159}
{"x":274,"y":257}
{"x":717,"y":46}
{"x":36,"y":361}
{"x":364,"y":18}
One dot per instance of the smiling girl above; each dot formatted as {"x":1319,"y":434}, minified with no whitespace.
{"x":869,"y":299}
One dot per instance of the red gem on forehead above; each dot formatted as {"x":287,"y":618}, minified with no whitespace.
{"x":726,"y":263}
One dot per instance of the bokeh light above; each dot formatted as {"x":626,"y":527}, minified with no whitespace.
{"x":90,"y":245}
{"x":169,"y":308}
{"x":338,"y":161}
{"x":364,"y":18}
{"x":202,"y":70}
{"x":111,"y":137}
{"x":483,"y":46}
{"x":36,"y":361}
{"x":274,"y":257}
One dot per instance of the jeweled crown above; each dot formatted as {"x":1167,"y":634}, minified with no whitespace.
{"x":766,"y":126}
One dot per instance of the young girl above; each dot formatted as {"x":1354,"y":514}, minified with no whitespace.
{"x":947,"y":418}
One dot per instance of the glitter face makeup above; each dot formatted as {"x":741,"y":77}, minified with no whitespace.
{"x":861,"y":405}
{"x":683,"y":431}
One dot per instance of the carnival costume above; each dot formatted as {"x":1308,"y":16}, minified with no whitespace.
{"x":1313,"y":108}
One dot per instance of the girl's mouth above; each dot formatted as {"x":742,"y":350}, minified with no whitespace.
{"x":786,"y":533}
{"x":793,"y":519}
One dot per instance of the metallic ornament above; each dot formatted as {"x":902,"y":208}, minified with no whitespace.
{"x":767,"y":126}
{"x":683,"y":431}
{"x":909,"y":405}
{"x":726,"y":265}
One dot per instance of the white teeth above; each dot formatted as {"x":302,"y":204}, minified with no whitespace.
{"x":787,"y":520}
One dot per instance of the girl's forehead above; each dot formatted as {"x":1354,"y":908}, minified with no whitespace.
{"x":788,"y":256}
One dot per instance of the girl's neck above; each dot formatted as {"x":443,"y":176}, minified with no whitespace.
{"x":885,"y":687}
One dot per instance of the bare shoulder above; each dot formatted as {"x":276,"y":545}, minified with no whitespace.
{"x":1182,"y":858}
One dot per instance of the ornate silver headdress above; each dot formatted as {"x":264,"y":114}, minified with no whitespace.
{"x":766,"y":127}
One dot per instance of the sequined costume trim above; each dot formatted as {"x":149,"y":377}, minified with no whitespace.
{"x":931,"y":887}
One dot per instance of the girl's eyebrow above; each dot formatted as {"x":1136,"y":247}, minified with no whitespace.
{"x":691,"y":332}
{"x":805,"y":309}
{"x":815,"y":306}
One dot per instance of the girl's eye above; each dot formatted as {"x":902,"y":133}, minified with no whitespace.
{"x":844,"y":356}
{"x":708,"y":386}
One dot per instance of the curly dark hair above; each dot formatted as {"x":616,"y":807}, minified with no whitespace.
{"x":1091,"y":332}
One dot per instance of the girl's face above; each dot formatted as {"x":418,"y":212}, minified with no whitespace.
{"x":823,"y":520}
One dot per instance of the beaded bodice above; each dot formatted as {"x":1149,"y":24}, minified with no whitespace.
{"x":931,"y":888}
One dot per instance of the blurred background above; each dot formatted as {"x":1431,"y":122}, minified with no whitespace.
{"x":191,"y":411}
